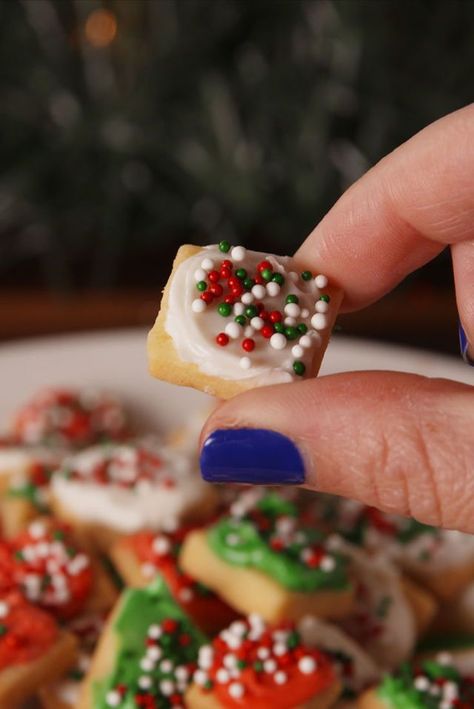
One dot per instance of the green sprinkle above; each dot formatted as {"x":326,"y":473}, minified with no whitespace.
{"x":18,"y":555}
{"x":3,"y":629}
{"x":293,"y":639}
{"x":224,"y":309}
{"x":224,"y":246}
{"x":326,"y":298}
{"x":201,"y":285}
{"x":299,"y":368}
{"x":302,"y":329}
{"x":292,"y":298}
{"x":251,"y":311}
{"x":58,"y":534}
{"x":241,"y":273}
{"x":306,"y":275}
{"x":267,"y":274}
{"x":258,"y":666}
{"x":279,"y":327}
{"x":249,"y":283}
{"x":241,"y":664}
{"x":278,"y":278}
{"x":291,"y":333}
{"x":208,"y":684}
{"x":240,"y":320}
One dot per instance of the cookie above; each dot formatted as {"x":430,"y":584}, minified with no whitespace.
{"x":259,"y":559}
{"x":232,"y":319}
{"x":44,"y":563}
{"x":430,"y":684}
{"x":255,"y":665}
{"x":111,"y":490}
{"x":33,"y":649}
{"x":70,"y":419}
{"x":146,"y":654}
{"x":139,"y":558}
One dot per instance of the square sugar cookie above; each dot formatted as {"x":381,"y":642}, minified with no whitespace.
{"x":232,"y":319}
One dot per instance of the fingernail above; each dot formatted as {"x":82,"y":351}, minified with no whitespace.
{"x":251,"y":455}
{"x":464,"y":345}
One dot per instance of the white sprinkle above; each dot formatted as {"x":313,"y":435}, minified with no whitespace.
{"x":161,"y":546}
{"x":280,"y":677}
{"x":167,"y":687}
{"x":255,"y":619}
{"x":444,"y":658}
{"x":292,"y":309}
{"x":154,"y":631}
{"x":321,"y":306}
{"x":205,"y":657}
{"x":306,"y":554}
{"x":200,"y":275}
{"x":37,"y":530}
{"x":421,"y":683}
{"x":233,"y":330}
{"x":181,"y":673}
{"x":273,"y":289}
{"x":238,"y":628}
{"x":305,"y":342}
{"x":239,"y":309}
{"x":290,"y":321}
{"x":247,"y":298}
{"x":304,"y":312}
{"x":222,"y":676}
{"x":257,"y":323}
{"x":148,"y":570}
{"x":154,"y":653}
{"x":297,"y":351}
{"x":144,"y":682}
{"x":293,"y":276}
{"x":269,"y":666}
{"x":200,"y":677}
{"x":249,"y":331}
{"x":146,"y":664}
{"x":321,"y":281}
{"x":186,"y":595}
{"x":113,"y":698}
{"x":78,"y":564}
{"x":207,"y":264}
{"x":238,"y":253}
{"x":236,"y":690}
{"x":278,"y":341}
{"x":166,"y":666}
{"x":279,"y":649}
{"x":229,"y":661}
{"x":198,"y":306}
{"x":327,"y":564}
{"x":263,"y":653}
{"x":4,"y":609}
{"x":307,"y":665}
{"x":245,"y":363}
{"x":259,"y":291}
{"x":319,"y":321}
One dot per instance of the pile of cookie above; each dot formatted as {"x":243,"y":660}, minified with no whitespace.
{"x":126,"y":581}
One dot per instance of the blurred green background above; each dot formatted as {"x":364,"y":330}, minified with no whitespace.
{"x":130,"y":126}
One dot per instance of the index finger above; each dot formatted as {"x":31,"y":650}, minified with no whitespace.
{"x":400,"y":214}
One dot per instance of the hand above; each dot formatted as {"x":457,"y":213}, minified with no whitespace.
{"x":400,"y":442}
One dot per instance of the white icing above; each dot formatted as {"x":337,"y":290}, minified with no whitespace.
{"x":149,"y":504}
{"x":18,"y":459}
{"x":194,"y":328}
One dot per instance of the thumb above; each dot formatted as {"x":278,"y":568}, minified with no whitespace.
{"x":399,"y":442}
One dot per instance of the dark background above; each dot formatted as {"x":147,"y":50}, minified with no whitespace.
{"x":130,"y":126}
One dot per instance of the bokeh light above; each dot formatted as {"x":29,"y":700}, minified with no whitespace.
{"x":101,"y":28}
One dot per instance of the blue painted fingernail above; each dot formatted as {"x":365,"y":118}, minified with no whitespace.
{"x":464,"y":345}
{"x":251,"y":455}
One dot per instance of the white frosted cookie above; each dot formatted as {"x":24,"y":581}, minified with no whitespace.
{"x":124,"y":488}
{"x":232,"y":319}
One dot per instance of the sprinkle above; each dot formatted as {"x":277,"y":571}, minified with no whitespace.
{"x":238,"y":253}
{"x":201,"y":677}
{"x":224,"y":309}
{"x":269,"y":666}
{"x":161,"y":545}
{"x":307,"y":665}
{"x":207,"y":264}
{"x":297,"y":351}
{"x":224,"y":246}
{"x":248,"y":344}
{"x":236,"y":690}
{"x":280,"y":677}
{"x":181,"y":673}
{"x":166,"y":666}
{"x":257,"y":323}
{"x":273,"y":289}
{"x":319,"y":321}
{"x":146,"y":664}
{"x":233,"y":330}
{"x":200,"y":275}
{"x":36,"y":530}
{"x":229,"y":661}
{"x":232,"y":540}
{"x":299,"y":368}
{"x":278,"y":341}
{"x":304,"y":313}
{"x":154,"y":653}
{"x":144,"y":682}
{"x":247,"y":298}
{"x":305,"y":342}
{"x":4,"y":609}
{"x":249,"y":331}
{"x":222,"y":676}
{"x":293,"y":310}
{"x":327,"y":564}
{"x":263,"y":653}
{"x":279,"y":649}
{"x":167,"y":687}
{"x":222,"y":339}
{"x":259,"y":292}
{"x":154,"y":632}
{"x":421,"y":683}
{"x":321,"y":306}
{"x":239,"y":309}
{"x":291,"y":322}
{"x":245,"y":363}
{"x":113,"y":698}
{"x":198,"y":306}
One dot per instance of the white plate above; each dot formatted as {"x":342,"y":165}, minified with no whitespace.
{"x":116,"y":360}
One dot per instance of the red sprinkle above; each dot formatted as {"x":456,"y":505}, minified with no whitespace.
{"x":248,"y":344}
{"x":214,"y":276}
{"x":275,"y":316}
{"x":169,"y":625}
{"x":263,"y":265}
{"x":227,"y":264}
{"x":225,"y":272}
{"x":267,"y":331}
{"x":207,"y":297}
{"x":222,"y":339}
{"x":216,"y":289}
